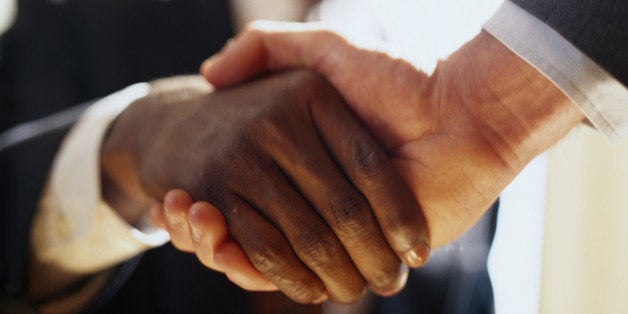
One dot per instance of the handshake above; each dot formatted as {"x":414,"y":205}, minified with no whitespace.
{"x":324,"y":181}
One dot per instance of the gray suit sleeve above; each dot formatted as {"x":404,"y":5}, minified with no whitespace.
{"x":599,"y":28}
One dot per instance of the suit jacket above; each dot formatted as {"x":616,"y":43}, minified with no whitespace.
{"x":62,"y":53}
{"x":599,"y":28}
{"x":26,"y":153}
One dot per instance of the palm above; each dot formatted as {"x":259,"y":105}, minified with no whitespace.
{"x":451,"y":183}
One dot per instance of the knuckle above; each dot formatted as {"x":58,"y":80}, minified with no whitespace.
{"x":319,"y":251}
{"x":299,"y":288}
{"x":266,"y":256}
{"x":367,"y":159}
{"x":349,"y":216}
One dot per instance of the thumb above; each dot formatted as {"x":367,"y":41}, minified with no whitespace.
{"x":266,"y":46}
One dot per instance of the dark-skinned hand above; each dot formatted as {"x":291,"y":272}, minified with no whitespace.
{"x":308,"y":194}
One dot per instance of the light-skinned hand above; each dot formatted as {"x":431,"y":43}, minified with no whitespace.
{"x":457,"y":136}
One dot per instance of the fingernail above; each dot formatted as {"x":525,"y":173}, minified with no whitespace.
{"x":418,"y":256}
{"x":403,"y":278}
{"x":196,"y":233}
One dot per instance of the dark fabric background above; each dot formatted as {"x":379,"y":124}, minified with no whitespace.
{"x":62,"y":53}
{"x":59,"y":55}
{"x":599,"y":28}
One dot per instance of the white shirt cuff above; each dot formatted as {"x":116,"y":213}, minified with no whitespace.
{"x":601,"y":97}
{"x":75,"y":228}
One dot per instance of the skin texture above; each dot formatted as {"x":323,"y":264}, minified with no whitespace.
{"x":306,"y":192}
{"x":458,"y":137}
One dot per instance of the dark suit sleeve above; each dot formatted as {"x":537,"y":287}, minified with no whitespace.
{"x":599,"y":28}
{"x":23,"y":169}
{"x":26,"y":153}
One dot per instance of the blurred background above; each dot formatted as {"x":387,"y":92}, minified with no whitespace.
{"x":585,"y":247}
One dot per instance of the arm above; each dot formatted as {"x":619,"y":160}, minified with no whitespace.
{"x":26,"y":152}
{"x":75,"y":234}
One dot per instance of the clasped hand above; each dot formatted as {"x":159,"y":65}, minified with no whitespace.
{"x":307,"y":194}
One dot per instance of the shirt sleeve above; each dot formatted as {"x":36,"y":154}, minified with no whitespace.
{"x":74,"y":227}
{"x":7,"y":14}
{"x":601,"y":97}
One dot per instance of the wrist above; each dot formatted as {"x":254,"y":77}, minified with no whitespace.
{"x":516,"y":109}
{"x":121,"y":187}
{"x":133,"y":163}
